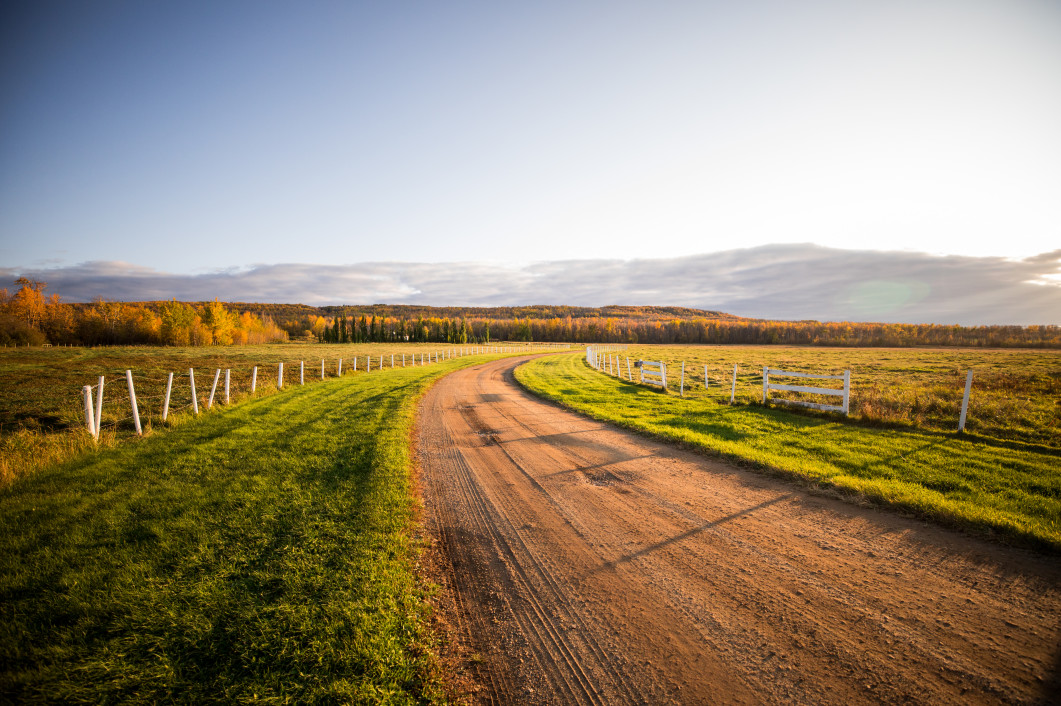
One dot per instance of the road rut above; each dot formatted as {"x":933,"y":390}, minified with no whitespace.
{"x":582,"y":564}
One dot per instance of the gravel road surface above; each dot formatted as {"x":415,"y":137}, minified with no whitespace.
{"x":582,"y":564}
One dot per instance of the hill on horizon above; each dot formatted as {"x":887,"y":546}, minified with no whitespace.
{"x":414,"y":311}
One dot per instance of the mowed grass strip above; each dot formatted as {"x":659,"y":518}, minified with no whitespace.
{"x":41,"y":401}
{"x":260,"y":553}
{"x":991,"y":487}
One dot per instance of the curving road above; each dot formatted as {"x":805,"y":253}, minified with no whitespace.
{"x":582,"y":564}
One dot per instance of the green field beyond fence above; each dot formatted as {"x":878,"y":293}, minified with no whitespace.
{"x":41,"y":401}
{"x":261,"y":552}
{"x":1016,"y":394}
{"x":993,"y":485}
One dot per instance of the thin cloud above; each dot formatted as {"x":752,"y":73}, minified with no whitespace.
{"x":773,"y":282}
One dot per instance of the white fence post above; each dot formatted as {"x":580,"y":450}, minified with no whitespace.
{"x":733,"y":390}
{"x":965,"y":400}
{"x":339,"y":370}
{"x":165,"y":404}
{"x":322,"y":368}
{"x":280,"y":377}
{"x":99,"y":405}
{"x":847,"y":392}
{"x":392,"y":361}
{"x":132,"y":401}
{"x":403,"y":360}
{"x":90,"y":423}
{"x":301,"y":372}
{"x":213,"y":389}
{"x":227,"y":371}
{"x":706,"y":381}
{"x":628,"y":375}
{"x":195,"y":398}
{"x":254,"y":379}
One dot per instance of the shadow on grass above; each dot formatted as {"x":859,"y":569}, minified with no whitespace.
{"x":261,"y":508}
{"x":719,"y":430}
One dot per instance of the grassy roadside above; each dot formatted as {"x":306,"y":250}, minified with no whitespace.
{"x":259,"y":553}
{"x":994,"y":488}
{"x":41,"y":413}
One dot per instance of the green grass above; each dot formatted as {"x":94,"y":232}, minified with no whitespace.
{"x":41,"y":410}
{"x":265,"y":552}
{"x":1016,"y":393}
{"x":1005,"y":489}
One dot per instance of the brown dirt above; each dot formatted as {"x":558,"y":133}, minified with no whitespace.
{"x":584,"y":564}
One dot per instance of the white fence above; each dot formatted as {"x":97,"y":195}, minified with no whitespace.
{"x":601,"y":358}
{"x":655,"y":374}
{"x":92,"y":399}
{"x":655,"y":371}
{"x":845,"y":393}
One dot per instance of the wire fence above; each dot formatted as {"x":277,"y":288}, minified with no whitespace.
{"x":124,"y":401}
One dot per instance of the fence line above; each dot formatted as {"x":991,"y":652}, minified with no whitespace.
{"x":654,"y":373}
{"x":93,"y":410}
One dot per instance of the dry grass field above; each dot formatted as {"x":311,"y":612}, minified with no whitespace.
{"x":1016,"y":393}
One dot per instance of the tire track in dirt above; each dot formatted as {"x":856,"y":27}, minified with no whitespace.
{"x":589,"y":565}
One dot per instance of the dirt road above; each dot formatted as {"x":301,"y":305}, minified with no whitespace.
{"x":583,"y":564}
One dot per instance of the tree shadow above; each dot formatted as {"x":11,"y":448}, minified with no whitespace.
{"x":690,"y":532}
{"x":597,"y":466}
{"x":716,"y":429}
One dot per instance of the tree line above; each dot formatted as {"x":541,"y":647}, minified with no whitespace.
{"x":382,"y":329}
{"x":29,"y":316}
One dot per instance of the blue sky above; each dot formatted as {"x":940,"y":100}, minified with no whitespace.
{"x":189,"y":140}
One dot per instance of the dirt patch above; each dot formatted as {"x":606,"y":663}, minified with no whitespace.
{"x":585,"y":564}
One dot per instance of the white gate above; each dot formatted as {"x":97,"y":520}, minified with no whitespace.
{"x":655,"y":371}
{"x":844,"y":393}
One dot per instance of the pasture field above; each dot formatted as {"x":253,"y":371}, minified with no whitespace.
{"x":1016,"y":393}
{"x":993,"y":486}
{"x":265,"y":551}
{"x":41,"y":408}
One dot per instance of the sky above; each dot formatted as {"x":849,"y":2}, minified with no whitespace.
{"x":878,"y":160}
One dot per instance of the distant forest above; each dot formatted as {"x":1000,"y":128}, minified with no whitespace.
{"x":31,"y":317}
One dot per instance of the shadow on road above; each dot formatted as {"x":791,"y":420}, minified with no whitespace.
{"x":691,"y":532}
